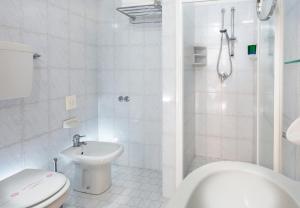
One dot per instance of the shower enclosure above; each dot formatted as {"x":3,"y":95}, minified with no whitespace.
{"x":226,"y":124}
{"x":219,"y":114}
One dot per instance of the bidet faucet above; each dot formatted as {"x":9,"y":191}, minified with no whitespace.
{"x":76,"y":140}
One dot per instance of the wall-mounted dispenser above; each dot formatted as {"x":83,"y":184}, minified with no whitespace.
{"x":252,"y":50}
{"x":16,"y":69}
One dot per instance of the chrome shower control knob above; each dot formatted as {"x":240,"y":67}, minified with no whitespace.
{"x":126,"y":98}
{"x":121,"y":98}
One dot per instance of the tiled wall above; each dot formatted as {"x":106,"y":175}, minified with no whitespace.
{"x":130,"y":61}
{"x":225,"y":112}
{"x":291,"y":92}
{"x":65,"y":34}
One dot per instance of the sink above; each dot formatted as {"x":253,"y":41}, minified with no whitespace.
{"x":92,"y":162}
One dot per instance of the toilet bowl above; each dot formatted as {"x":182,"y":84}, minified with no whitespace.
{"x":35,"y":189}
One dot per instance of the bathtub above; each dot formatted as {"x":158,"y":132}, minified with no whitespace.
{"x":236,"y":185}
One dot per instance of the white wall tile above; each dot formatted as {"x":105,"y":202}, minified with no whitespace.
{"x":60,"y":3}
{"x":229,"y":149}
{"x":136,"y":110}
{"x":106,"y":105}
{"x":214,"y":147}
{"x":11,"y":159}
{"x":77,"y":82}
{"x":35,"y":15}
{"x":40,"y":88}
{"x":77,"y":55}
{"x":10,"y":34}
{"x":91,"y":31}
{"x":58,"y":83}
{"x":123,"y":129}
{"x":58,"y":22}
{"x":35,"y":119}
{"x":78,"y":7}
{"x":36,"y":153}
{"x":136,"y":131}
{"x":58,"y":52}
{"x":9,"y":7}
{"x":77,"y":28}
{"x":11,"y":125}
{"x":91,"y":12}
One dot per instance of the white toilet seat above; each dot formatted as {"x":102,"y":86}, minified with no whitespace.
{"x":33,"y":188}
{"x":57,"y":199}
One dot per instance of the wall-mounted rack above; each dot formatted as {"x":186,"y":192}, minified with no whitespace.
{"x":150,"y":13}
{"x":200,"y":56}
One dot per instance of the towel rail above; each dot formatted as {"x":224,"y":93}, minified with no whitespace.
{"x":143,"y":13}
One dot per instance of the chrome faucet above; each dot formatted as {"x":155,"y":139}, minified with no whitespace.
{"x":77,"y":142}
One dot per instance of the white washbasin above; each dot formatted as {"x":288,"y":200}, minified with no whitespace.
{"x":94,"y":153}
{"x":92,"y":162}
{"x":236,"y":185}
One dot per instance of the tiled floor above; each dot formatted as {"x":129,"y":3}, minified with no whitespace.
{"x":132,"y":188}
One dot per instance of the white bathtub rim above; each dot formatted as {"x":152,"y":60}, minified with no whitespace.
{"x":189,"y":185}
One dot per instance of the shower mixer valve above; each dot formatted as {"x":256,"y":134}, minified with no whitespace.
{"x":124,"y":99}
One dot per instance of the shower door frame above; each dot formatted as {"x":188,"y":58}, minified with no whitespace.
{"x":278,"y":85}
{"x":278,"y":88}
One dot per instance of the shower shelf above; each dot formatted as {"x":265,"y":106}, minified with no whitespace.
{"x":200,"y":56}
{"x":292,"y":61}
{"x":199,"y":64}
{"x":150,"y":13}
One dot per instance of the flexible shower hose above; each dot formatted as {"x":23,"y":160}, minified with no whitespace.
{"x":224,"y":75}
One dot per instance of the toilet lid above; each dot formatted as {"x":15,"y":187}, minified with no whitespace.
{"x":30,"y":187}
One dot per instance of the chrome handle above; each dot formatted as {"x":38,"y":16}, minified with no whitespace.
{"x":76,"y":140}
{"x":259,"y":8}
{"x":36,"y":56}
{"x":77,"y":136}
{"x":126,"y":98}
{"x":284,"y":135}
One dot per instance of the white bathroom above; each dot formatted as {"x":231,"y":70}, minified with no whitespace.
{"x":149,"y":103}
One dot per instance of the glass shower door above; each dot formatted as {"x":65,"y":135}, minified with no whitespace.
{"x":266,"y":94}
{"x":291,"y":94}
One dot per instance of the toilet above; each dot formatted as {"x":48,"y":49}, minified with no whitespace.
{"x":35,"y":189}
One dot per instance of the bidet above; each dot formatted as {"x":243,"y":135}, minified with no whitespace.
{"x":93,"y":165}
